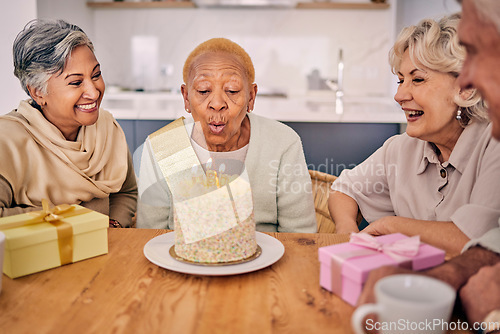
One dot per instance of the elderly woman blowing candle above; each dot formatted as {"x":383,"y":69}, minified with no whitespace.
{"x":219,"y":92}
{"x":441,"y":179}
{"x":59,"y":145}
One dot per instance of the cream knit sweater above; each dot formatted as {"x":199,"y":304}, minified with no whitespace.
{"x":279,"y":178}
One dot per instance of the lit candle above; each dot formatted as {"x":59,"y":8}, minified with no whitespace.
{"x":222,"y":168}
{"x":217,"y":180}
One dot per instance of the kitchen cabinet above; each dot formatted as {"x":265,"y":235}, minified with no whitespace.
{"x":190,"y":4}
{"x":331,"y":141}
{"x":136,"y":131}
{"x":328,"y":147}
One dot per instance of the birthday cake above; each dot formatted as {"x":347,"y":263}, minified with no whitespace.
{"x":217,"y":226}
{"x":235,"y":244}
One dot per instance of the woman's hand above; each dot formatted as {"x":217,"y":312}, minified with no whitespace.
{"x":440,"y":234}
{"x":346,"y":228}
{"x":346,"y":231}
{"x":381,"y":226}
{"x":114,"y":223}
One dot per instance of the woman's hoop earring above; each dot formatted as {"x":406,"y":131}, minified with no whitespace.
{"x":459,"y":115}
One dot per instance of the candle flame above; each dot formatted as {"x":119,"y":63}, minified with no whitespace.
{"x":217,"y":180}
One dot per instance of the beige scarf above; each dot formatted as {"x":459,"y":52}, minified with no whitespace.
{"x":39,"y":162}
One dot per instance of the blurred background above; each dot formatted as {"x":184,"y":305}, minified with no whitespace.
{"x":295,"y":48}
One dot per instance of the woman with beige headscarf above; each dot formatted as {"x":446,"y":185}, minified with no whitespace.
{"x":59,"y":145}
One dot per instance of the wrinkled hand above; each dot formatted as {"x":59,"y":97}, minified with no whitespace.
{"x":481,"y":294}
{"x":381,"y":226}
{"x":346,"y":230}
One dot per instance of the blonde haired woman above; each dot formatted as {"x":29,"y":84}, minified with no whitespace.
{"x":441,"y":179}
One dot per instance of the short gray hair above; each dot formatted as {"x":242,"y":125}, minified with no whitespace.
{"x":435,"y":45}
{"x":41,"y":50}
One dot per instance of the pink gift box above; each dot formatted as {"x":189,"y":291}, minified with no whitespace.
{"x":345,"y":267}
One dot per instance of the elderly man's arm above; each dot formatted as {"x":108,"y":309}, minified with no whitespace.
{"x":455,"y":272}
{"x":458,"y":270}
{"x":481,"y":294}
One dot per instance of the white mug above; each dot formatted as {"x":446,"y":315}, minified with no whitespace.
{"x":407,"y":304}
{"x":2,"y":246}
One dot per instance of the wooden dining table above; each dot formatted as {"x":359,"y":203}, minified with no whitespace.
{"x":123,"y":292}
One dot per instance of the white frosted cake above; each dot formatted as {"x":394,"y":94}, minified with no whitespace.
{"x":235,"y":244}
{"x":214,"y":222}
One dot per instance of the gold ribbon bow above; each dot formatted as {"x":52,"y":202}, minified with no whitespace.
{"x":54,"y":216}
{"x":49,"y":215}
{"x":64,"y":230}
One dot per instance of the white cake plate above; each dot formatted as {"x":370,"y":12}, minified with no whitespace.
{"x":156,"y":250}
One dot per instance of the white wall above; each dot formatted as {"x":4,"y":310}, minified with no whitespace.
{"x":285,"y":44}
{"x":412,"y":11}
{"x":13,"y":17}
{"x":73,"y":11}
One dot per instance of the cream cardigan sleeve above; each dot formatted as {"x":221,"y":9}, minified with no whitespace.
{"x":280,"y":181}
{"x":281,"y":186}
{"x":295,"y":204}
{"x":154,"y":206}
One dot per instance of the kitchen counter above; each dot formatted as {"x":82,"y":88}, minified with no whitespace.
{"x":308,"y":108}
{"x":331,"y":141}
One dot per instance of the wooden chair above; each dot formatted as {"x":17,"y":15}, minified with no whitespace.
{"x":321,"y":183}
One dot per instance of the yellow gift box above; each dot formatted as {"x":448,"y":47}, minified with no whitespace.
{"x":46,"y":239}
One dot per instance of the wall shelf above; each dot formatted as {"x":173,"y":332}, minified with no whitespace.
{"x":189,"y":4}
{"x":341,"y":5}
{"x":149,"y":4}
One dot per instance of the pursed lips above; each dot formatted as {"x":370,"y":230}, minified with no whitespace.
{"x":216,"y":127}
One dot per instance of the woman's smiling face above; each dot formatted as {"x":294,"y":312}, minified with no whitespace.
{"x":427,"y":98}
{"x":73,"y":96}
{"x":218,"y":94}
